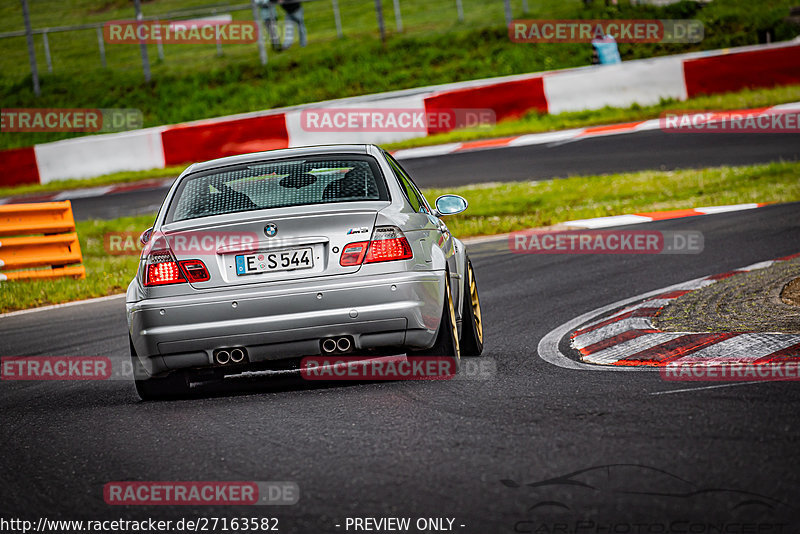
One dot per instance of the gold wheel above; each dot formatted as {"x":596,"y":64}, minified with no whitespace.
{"x":453,"y":326}
{"x":476,"y":304}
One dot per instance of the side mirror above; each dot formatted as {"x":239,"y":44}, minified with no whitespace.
{"x":145,"y":237}
{"x":450,"y":204}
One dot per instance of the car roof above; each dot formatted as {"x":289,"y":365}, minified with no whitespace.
{"x":278,"y":154}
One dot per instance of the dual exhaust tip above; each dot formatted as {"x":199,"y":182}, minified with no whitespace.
{"x":238,"y":355}
{"x":341,"y":344}
{"x":225,"y":356}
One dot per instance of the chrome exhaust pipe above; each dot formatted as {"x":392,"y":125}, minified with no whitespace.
{"x":328,"y":345}
{"x":237,"y":355}
{"x":343,"y":344}
{"x":223,"y":357}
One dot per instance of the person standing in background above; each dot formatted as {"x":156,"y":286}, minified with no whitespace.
{"x":294,"y":18}
{"x":270,"y":17}
{"x":606,"y":50}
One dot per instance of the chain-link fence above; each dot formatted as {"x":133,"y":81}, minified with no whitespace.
{"x":74,"y":43}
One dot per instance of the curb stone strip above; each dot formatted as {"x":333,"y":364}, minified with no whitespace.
{"x":559,"y":136}
{"x":640,"y":343}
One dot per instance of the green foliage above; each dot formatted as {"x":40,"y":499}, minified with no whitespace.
{"x":194,"y":83}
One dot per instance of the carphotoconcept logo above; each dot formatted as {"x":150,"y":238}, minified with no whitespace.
{"x":70,"y":119}
{"x":207,"y":30}
{"x":394,"y":119}
{"x":605,"y":242}
{"x":622,"y":31}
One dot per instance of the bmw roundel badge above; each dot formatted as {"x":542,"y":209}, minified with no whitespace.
{"x":270,"y":230}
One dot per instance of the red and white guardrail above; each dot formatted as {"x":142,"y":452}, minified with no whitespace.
{"x":644,"y":81}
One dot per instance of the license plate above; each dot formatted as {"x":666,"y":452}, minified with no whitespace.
{"x":282,"y":260}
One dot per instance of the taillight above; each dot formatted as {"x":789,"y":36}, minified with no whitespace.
{"x":353,"y":254}
{"x":195,"y":270}
{"x":388,"y":244}
{"x":162,"y":269}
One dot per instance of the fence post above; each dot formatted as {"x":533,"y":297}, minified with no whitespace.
{"x":337,"y":19}
{"x":379,"y":14}
{"x":101,"y":43}
{"x":31,"y":52}
{"x":525,"y":6}
{"x":262,"y":49}
{"x":507,"y":8}
{"x":47,"y":58}
{"x":460,"y":9}
{"x":397,"y":16}
{"x":142,"y":45}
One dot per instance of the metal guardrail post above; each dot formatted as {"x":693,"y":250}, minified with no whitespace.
{"x":142,"y":45}
{"x":460,"y":9}
{"x":337,"y":19}
{"x":262,"y":49}
{"x":379,"y":15}
{"x":507,"y":9}
{"x":47,"y":58}
{"x":31,"y":51}
{"x":101,"y":43}
{"x":397,"y":16}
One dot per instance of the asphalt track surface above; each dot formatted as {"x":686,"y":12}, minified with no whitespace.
{"x":596,"y":155}
{"x":464,"y":449}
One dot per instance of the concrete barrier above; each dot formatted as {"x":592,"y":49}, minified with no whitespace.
{"x":85,"y":157}
{"x":644,"y":82}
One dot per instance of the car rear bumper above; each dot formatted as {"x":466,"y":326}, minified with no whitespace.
{"x":287,"y":320}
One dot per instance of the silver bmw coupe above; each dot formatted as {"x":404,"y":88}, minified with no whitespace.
{"x":255,"y":261}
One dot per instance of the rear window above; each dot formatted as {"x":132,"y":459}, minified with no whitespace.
{"x":278,"y":184}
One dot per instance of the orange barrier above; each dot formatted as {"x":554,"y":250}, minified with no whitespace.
{"x":51,"y":255}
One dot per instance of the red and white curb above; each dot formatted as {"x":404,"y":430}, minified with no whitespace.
{"x":564,"y":136}
{"x":627,"y":340}
{"x":637,"y":218}
{"x":90,"y":192}
{"x":622,"y":220}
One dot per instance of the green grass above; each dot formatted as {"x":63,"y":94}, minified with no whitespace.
{"x":494,"y":208}
{"x":193,"y":83}
{"x":530,"y":123}
{"x":107,"y":179}
{"x":505,"y":207}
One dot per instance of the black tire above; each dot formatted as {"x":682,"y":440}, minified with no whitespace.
{"x":447,"y":342}
{"x":471,"y":317}
{"x":148,"y":387}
